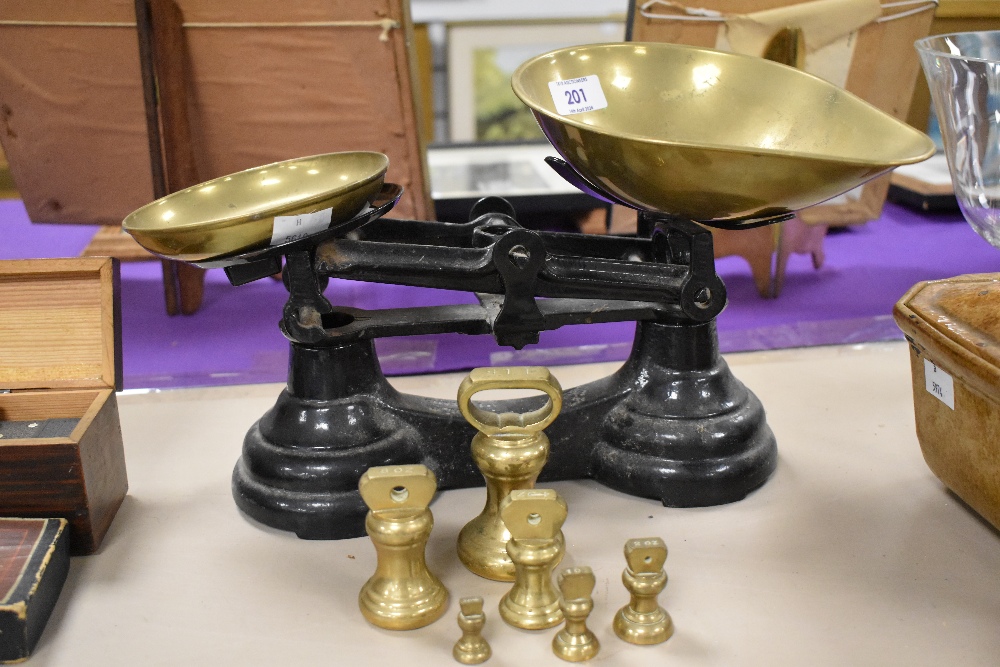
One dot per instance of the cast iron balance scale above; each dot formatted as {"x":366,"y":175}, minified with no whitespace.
{"x":684,"y":135}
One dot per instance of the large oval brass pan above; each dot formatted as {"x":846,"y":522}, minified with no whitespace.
{"x":236,"y":213}
{"x":713,"y":136}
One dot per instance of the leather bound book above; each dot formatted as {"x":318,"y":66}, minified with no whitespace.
{"x":34,"y":561}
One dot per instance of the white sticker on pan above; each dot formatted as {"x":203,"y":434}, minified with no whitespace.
{"x":578,"y":95}
{"x":288,"y":228}
{"x":939,"y":383}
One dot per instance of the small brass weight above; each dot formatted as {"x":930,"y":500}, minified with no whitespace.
{"x":575,"y":642}
{"x":402,"y":594}
{"x":643,"y":620}
{"x":510,"y":450}
{"x":471,"y":649}
{"x":534,"y":517}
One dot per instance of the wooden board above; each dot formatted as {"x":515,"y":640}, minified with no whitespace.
{"x":968,"y":9}
{"x":952,"y":16}
{"x":7,"y":189}
{"x":110,"y":241}
{"x":266,"y":86}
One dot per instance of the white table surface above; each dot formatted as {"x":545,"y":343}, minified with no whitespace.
{"x":852,"y":554}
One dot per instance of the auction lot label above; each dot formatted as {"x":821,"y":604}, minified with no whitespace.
{"x":578,"y":95}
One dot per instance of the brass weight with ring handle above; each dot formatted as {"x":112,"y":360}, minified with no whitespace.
{"x":510,"y":450}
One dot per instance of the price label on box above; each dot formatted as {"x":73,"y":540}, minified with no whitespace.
{"x":939,"y":383}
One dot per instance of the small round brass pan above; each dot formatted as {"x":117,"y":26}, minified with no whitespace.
{"x":707,"y":135}
{"x":381,"y":203}
{"x":236,"y":213}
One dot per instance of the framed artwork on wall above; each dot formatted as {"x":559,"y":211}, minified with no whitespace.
{"x":481,"y":58}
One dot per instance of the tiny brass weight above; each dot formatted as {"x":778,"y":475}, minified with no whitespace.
{"x":402,"y":594}
{"x":510,"y":450}
{"x":471,"y":649}
{"x":575,"y":642}
{"x":643,"y":620}
{"x":534,"y":517}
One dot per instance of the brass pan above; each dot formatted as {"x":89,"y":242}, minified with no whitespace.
{"x":714,"y":137}
{"x":237,"y":213}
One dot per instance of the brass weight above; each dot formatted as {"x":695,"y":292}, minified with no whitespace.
{"x":534,"y":517}
{"x":643,"y":620}
{"x":471,"y":648}
{"x":402,"y":594}
{"x":510,"y":450}
{"x":576,"y":642}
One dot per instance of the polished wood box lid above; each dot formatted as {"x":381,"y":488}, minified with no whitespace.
{"x":60,"y":324}
{"x":959,"y":318}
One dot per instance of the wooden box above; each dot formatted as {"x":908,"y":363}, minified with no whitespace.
{"x":34,"y":561}
{"x":953,"y":327}
{"x":61,"y":451}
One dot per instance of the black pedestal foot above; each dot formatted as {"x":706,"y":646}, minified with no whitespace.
{"x":672,"y":424}
{"x":302,"y":460}
{"x":688,"y":433}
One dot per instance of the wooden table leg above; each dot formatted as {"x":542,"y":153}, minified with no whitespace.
{"x":192,"y":283}
{"x":183,"y":287}
{"x":171,"y":290}
{"x":756,"y":246}
{"x":801,"y":238}
{"x":163,"y":58}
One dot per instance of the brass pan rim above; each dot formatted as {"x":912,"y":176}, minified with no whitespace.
{"x":131,"y":219}
{"x":518,"y":88}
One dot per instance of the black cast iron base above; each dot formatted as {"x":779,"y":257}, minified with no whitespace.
{"x":672,"y":424}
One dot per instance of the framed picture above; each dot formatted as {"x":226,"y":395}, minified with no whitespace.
{"x":481,"y":58}
{"x":462,"y":174}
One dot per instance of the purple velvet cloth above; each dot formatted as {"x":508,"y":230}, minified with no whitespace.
{"x":234,"y":337}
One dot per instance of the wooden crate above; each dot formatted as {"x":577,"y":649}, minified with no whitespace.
{"x":61,"y":453}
